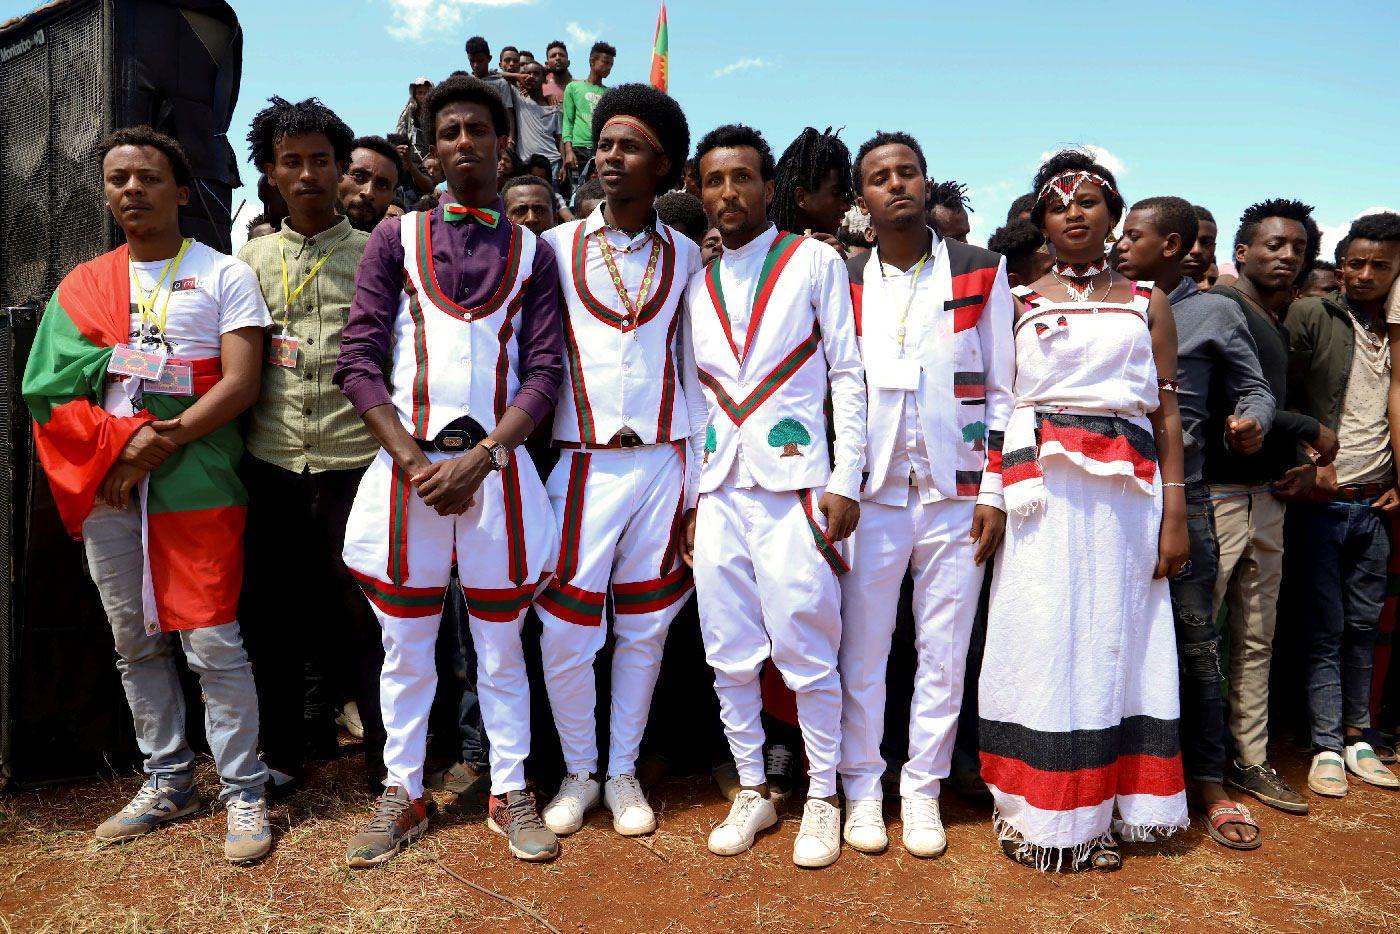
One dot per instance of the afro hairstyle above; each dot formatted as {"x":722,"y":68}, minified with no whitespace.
{"x":467,"y":89}
{"x":1075,"y":160}
{"x":734,"y":135}
{"x":806,"y":163}
{"x":1173,"y":216}
{"x":887,"y":138}
{"x":281,"y":118}
{"x":657,"y":110}
{"x":1289,"y":209}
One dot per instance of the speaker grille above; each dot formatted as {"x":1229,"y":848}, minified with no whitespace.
{"x":53,"y":214}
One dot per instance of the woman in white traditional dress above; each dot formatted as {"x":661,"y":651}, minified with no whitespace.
{"x":1078,"y":693}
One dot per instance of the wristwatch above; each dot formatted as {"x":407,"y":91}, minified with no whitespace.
{"x":496,"y":452}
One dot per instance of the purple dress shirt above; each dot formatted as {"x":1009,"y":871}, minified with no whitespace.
{"x":469,"y":260}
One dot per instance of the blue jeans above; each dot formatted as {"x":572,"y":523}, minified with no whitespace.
{"x":1348,"y":550}
{"x":1198,"y":645}
{"x":112,"y":539}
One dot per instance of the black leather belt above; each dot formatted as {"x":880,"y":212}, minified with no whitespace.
{"x":626,"y":438}
{"x":460,"y":436}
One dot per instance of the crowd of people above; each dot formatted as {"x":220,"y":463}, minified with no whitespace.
{"x":482,"y":402}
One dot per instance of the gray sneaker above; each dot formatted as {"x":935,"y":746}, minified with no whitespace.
{"x":1264,"y":783}
{"x":397,"y":820}
{"x":249,"y":835}
{"x":154,"y":804}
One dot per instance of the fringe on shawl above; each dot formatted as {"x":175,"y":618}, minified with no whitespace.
{"x":1051,"y":858}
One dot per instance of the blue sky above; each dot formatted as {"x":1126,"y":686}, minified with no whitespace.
{"x":1221,"y":103}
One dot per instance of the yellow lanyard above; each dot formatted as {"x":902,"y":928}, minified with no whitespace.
{"x":288,"y":299}
{"x":913,"y":290}
{"x":146,"y":304}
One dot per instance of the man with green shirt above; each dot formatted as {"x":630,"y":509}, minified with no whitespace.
{"x":308,"y":629}
{"x":579,"y":99}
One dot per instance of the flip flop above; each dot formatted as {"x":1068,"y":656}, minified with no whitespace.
{"x":1329,"y":786}
{"x":1225,"y":811}
{"x":1363,"y":762}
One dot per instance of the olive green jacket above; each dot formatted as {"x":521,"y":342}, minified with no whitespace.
{"x":1321,"y":343}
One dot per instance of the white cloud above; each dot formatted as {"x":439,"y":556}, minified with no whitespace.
{"x":578,"y":35}
{"x":1102,"y":156}
{"x":743,"y":64}
{"x":1333,"y":233}
{"x":415,"y":19}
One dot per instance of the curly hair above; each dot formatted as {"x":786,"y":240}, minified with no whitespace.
{"x":1075,"y":160}
{"x":1289,"y":209}
{"x":684,"y":212}
{"x":806,"y":163}
{"x":1018,"y":241}
{"x":657,"y":110}
{"x":467,"y":89}
{"x":602,"y":48}
{"x":885,"y":138}
{"x":147,"y":136}
{"x":733,"y":135}
{"x":282,"y":118}
{"x":1173,"y":216}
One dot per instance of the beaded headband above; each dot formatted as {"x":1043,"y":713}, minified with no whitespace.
{"x":1067,"y":183}
{"x":637,"y":125}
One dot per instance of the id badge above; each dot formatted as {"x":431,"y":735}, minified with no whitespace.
{"x":900,"y":374}
{"x":283,"y":351}
{"x":176,"y":379}
{"x":142,"y":364}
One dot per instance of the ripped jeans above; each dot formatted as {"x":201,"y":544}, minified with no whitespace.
{"x":1198,"y":645}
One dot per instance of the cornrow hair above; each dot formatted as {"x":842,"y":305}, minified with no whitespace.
{"x":948,"y":194}
{"x":886,"y":138}
{"x":806,"y":163}
{"x":1289,"y":209}
{"x":282,"y":118}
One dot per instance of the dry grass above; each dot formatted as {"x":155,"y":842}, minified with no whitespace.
{"x":1332,"y":871}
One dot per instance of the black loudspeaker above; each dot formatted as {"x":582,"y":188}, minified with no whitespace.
{"x":72,"y":72}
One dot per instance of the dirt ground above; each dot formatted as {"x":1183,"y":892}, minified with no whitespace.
{"x":1337,"y":869}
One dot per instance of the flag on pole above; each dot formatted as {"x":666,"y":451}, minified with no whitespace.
{"x":660,"y":58}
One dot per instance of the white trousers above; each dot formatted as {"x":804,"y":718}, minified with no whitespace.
{"x":401,"y":552}
{"x":766,"y":582}
{"x":934,"y":540}
{"x":619,"y":515}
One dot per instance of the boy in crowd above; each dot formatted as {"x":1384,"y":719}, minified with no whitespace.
{"x":580,"y":97}
{"x":142,"y":363}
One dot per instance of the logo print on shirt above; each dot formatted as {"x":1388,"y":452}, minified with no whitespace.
{"x":184,"y":285}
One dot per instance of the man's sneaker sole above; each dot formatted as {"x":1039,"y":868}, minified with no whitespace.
{"x":1290,"y":807}
{"x":188,"y":810}
{"x":361,"y":862}
{"x":822,"y":863}
{"x":745,"y":847}
{"x":636,"y":832}
{"x":519,"y":853}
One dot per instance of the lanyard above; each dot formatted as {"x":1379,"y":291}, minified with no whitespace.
{"x":288,"y":299}
{"x":633,"y":310}
{"x":146,"y":304}
{"x":913,"y":290}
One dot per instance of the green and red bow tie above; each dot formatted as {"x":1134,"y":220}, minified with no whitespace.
{"x":460,"y":212}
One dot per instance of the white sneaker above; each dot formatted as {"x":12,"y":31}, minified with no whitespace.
{"x":1363,"y":762}
{"x":923,"y":827}
{"x":632,"y":816}
{"x":818,"y":840}
{"x":865,"y":825}
{"x":576,"y":795}
{"x":750,"y":813}
{"x":349,"y":717}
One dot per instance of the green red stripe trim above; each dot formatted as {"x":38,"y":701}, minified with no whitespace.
{"x":572,"y":604}
{"x":519,"y":567}
{"x":668,"y":383}
{"x":824,"y":545}
{"x":739,"y":411}
{"x":398,"y":601}
{"x":498,"y":605}
{"x":397,"y":569}
{"x":774,"y":263}
{"x":673,"y":545}
{"x":653,"y":595}
{"x":582,"y":407}
{"x":600,"y":310}
{"x":421,"y":402}
{"x":429,"y":278}
{"x":503,"y":358}
{"x":573,"y":516}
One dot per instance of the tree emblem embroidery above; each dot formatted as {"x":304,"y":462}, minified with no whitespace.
{"x":788,"y":434}
{"x":710,"y":443}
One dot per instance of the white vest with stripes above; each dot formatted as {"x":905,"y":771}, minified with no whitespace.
{"x":450,"y":361}
{"x":620,"y":375}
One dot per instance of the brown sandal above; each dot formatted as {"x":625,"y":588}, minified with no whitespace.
{"x":1222,"y":812}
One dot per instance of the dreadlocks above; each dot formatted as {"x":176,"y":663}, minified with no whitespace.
{"x":283,"y":118}
{"x":948,"y":194}
{"x":806,"y":163}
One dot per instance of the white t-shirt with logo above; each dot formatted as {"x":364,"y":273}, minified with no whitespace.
{"x":212,"y":294}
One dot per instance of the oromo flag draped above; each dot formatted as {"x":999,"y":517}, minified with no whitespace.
{"x":660,"y":56}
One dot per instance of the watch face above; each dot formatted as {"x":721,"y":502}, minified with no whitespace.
{"x":499,"y":455}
